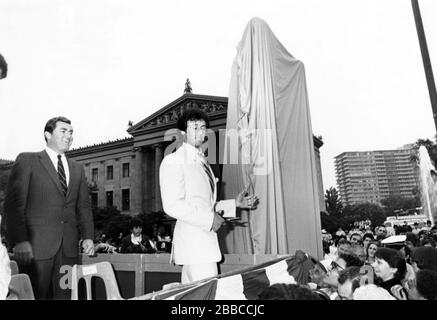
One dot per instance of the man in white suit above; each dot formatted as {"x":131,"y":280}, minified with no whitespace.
{"x":189,"y":192}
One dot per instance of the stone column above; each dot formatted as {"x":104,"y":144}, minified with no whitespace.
{"x":138,"y":177}
{"x":147,"y":181}
{"x":159,"y":155}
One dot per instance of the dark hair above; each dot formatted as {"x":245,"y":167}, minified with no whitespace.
{"x":412,"y":238}
{"x":368,"y":235}
{"x":51,"y":124}
{"x":282,"y":291}
{"x":426,"y":284}
{"x":343,"y":241}
{"x":3,"y":67}
{"x":353,"y":274}
{"x":193,"y":114}
{"x":356,"y":234}
{"x":394,"y":259}
{"x":351,"y":260}
{"x":136,"y":222}
{"x":428,"y":239}
{"x":425,"y":257}
{"x":377,"y":243}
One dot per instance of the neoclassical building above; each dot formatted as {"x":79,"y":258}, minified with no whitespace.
{"x":125,"y":172}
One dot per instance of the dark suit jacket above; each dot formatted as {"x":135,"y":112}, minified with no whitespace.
{"x":128,"y":247}
{"x":37,"y":211}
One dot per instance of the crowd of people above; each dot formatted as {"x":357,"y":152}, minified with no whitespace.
{"x":367,"y":263}
{"x":135,"y":241}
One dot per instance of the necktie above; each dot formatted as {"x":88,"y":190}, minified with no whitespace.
{"x":61,"y":175}
{"x":207,"y":169}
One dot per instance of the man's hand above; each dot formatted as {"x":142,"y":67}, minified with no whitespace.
{"x":398,"y":292}
{"x":23,"y":252}
{"x":88,"y":247}
{"x":218,"y":222}
{"x":245,"y":201}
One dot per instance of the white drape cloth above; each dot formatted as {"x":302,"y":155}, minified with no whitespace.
{"x":268,"y":110}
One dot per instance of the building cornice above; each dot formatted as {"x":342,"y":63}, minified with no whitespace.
{"x":104,"y":146}
{"x":166,"y":117}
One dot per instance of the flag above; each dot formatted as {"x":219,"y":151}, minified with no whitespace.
{"x":244,"y":284}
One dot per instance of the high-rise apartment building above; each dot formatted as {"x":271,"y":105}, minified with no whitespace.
{"x":371,"y":176}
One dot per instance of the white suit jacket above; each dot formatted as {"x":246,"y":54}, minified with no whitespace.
{"x":186,"y":196}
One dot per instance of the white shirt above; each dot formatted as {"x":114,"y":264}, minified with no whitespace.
{"x":136,"y":240}
{"x":54,"y":157}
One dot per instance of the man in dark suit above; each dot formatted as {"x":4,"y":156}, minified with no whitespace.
{"x":137,"y":242}
{"x":47,"y":205}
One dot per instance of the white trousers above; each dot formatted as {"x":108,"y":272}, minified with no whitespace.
{"x":194,"y":272}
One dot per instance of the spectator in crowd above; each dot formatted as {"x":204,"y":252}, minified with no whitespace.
{"x":390,"y":269}
{"x":428,"y":226}
{"x":428,"y":241}
{"x":422,"y":234}
{"x":282,"y":291}
{"x":371,"y":250}
{"x":136,"y":242}
{"x":424,"y":258}
{"x":412,"y":240}
{"x":380,"y":233}
{"x":343,"y":247}
{"x":426,"y":284}
{"x":117,"y":241}
{"x":340,"y":232}
{"x":367,"y":237}
{"x":348,"y":280}
{"x":356,"y":238}
{"x":164,"y":241}
{"x":103,"y":245}
{"x":342,"y":262}
{"x":358,"y":251}
{"x":316,"y":275}
{"x":416,"y":228}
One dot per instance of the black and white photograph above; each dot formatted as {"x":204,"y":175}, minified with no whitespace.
{"x":236,"y":151}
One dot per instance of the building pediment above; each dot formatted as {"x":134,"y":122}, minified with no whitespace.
{"x":167,"y":116}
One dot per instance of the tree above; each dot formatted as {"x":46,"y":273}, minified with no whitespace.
{"x":395,"y":202}
{"x":429,"y":145}
{"x":331,"y":223}
{"x":364,"y":211}
{"x":333,"y":202}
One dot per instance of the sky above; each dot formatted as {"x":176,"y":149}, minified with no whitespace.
{"x":104,"y":63}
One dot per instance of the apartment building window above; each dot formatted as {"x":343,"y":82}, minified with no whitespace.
{"x":109,"y":172}
{"x":94,"y":174}
{"x":125,"y":170}
{"x":125,"y":195}
{"x":94,"y":199}
{"x":109,"y":198}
